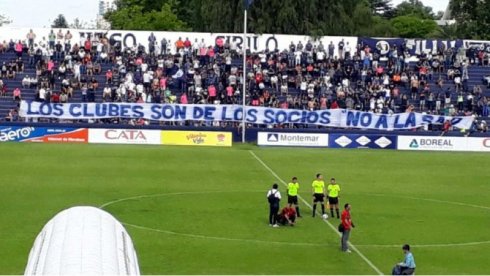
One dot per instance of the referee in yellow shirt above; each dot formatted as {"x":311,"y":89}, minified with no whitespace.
{"x":318,"y":187}
{"x":293,"y":188}
{"x":333,"y":190}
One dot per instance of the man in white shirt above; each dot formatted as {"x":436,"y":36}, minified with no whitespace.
{"x":42,"y":94}
{"x":320,"y":56}
{"x":297,"y":57}
{"x":274,"y":197}
{"x":347,"y":50}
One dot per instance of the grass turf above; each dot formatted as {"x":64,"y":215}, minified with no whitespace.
{"x":208,"y":211}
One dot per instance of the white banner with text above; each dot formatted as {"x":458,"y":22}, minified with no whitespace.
{"x":255,"y":115}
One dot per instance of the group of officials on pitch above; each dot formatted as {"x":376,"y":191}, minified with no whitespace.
{"x":288,"y":214}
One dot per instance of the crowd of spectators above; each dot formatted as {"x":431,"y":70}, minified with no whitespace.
{"x":310,"y":76}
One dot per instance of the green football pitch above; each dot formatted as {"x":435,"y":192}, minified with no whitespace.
{"x":204,"y":210}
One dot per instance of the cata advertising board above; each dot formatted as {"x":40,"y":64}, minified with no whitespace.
{"x":124,"y":136}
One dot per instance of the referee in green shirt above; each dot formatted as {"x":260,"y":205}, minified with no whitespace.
{"x":333,"y":190}
{"x":318,"y":187}
{"x":293,"y":188}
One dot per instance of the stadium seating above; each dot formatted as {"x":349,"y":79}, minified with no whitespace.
{"x":476,"y":77}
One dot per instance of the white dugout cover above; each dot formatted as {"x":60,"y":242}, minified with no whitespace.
{"x":83,"y":241}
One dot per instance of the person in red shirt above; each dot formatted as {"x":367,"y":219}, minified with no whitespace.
{"x":446,"y":127}
{"x":347,"y":226}
{"x":287,"y":216}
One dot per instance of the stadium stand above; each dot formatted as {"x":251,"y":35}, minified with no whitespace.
{"x":310,"y":76}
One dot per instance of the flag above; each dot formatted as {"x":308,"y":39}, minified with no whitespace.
{"x":247,"y":3}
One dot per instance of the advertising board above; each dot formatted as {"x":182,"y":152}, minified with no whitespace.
{"x":292,"y":139}
{"x":197,"y":138}
{"x":370,"y":141}
{"x":436,"y":143}
{"x":43,"y":134}
{"x":124,"y":136}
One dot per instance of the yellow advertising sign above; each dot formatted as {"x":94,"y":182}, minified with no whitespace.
{"x":197,"y":138}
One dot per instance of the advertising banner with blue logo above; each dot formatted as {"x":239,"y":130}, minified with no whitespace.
{"x":413,"y":46}
{"x":254,"y":115}
{"x":442,"y":143}
{"x":298,"y":139}
{"x":370,"y":141}
{"x":43,"y":134}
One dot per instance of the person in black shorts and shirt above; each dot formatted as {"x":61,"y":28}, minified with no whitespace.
{"x":333,"y":190}
{"x":293,"y":188}
{"x":318,"y":187}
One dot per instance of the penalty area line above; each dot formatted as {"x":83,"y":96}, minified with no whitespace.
{"x":311,"y":207}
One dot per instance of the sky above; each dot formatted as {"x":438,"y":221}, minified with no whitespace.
{"x":40,"y":13}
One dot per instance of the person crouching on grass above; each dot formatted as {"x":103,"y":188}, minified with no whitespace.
{"x":287,"y":216}
{"x":407,"y":267}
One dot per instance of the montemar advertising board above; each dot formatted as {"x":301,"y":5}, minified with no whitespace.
{"x":292,"y":139}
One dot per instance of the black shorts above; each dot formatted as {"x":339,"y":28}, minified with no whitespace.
{"x":318,"y":197}
{"x":333,"y":200}
{"x":292,"y":199}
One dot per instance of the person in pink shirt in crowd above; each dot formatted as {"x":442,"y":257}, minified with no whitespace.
{"x":50,"y":65}
{"x":163,"y":83}
{"x":17,"y":94}
{"x":183,"y":98}
{"x":229,"y":91}
{"x":139,"y":61}
{"x":203,"y":53}
{"x":87,"y":45}
{"x":211,"y":94}
{"x":187,"y":43}
{"x":220,"y":43}
{"x":108,"y":76}
{"x":18,"y":49}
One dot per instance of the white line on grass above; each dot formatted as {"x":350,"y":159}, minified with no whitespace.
{"x":427,"y":245}
{"x":221,"y":238}
{"x":436,"y":201}
{"x":261,"y":241}
{"x":326,"y":221}
{"x":170,"y":194}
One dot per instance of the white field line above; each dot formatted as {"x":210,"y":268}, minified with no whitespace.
{"x":273,"y":242}
{"x":436,"y":201}
{"x":326,"y":221}
{"x":426,"y":245}
{"x":222,"y":238}
{"x":170,"y":194}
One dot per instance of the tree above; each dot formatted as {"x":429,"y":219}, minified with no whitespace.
{"x":79,"y":24}
{"x":4,"y":20}
{"x":136,"y":15}
{"x":414,"y":8}
{"x":60,"y":22}
{"x":383,"y":8}
{"x":311,"y":17}
{"x":472,"y":18}
{"x":413,"y":27}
